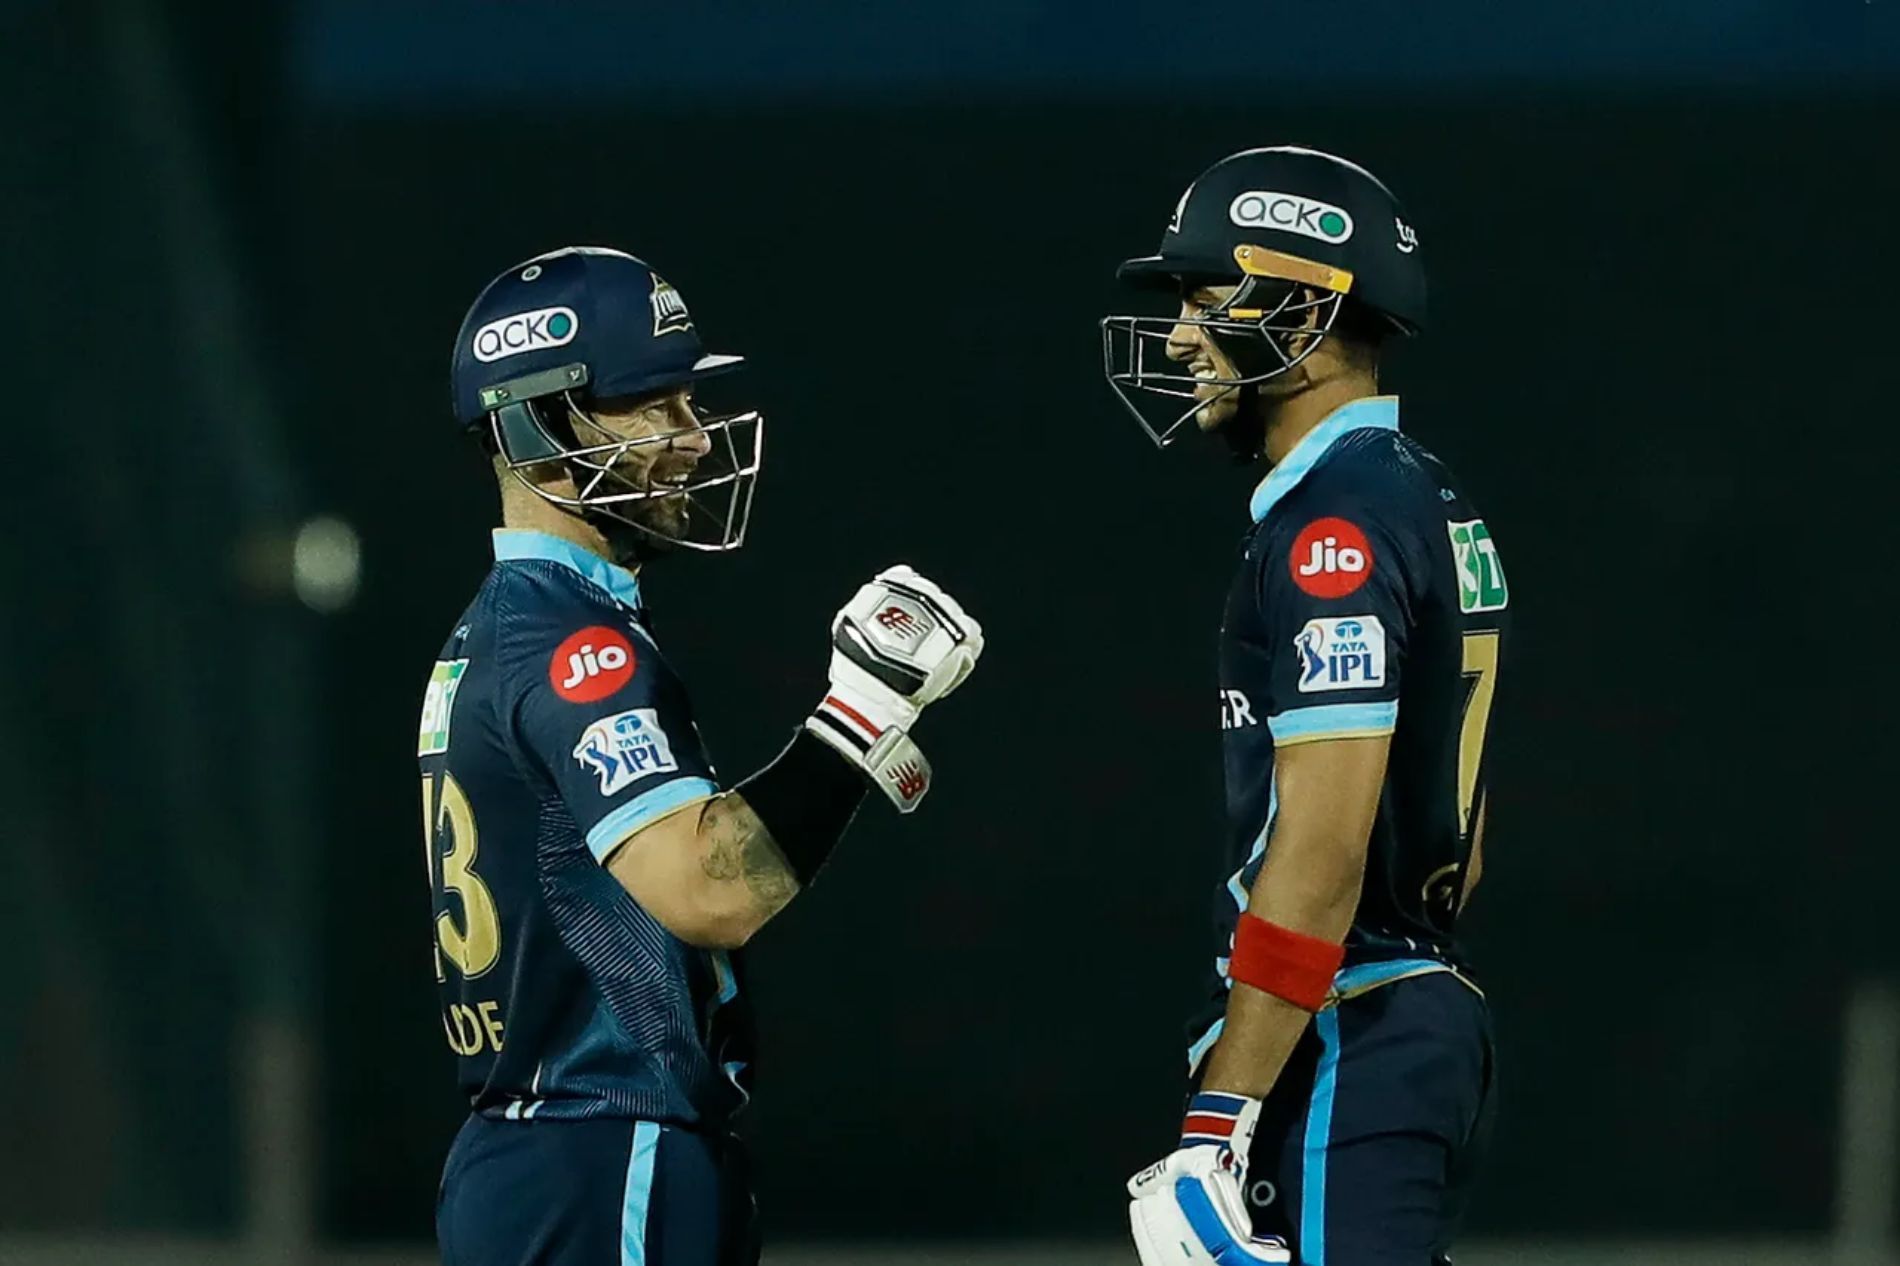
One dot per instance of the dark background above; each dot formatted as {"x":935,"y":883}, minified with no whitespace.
{"x":1657,"y":357}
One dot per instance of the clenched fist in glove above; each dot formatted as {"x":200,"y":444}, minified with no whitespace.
{"x":898,"y":646}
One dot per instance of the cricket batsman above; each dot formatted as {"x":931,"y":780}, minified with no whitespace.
{"x":593,"y":877}
{"x":1341,"y":1071}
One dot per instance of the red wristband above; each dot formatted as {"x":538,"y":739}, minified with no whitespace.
{"x":1287,"y":964}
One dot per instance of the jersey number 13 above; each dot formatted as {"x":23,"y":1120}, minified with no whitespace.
{"x":449,"y":822}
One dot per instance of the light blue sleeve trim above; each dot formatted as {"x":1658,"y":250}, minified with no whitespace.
{"x":633,"y":1209}
{"x":1319,"y":1137}
{"x":1334,"y":718}
{"x":644,"y":808}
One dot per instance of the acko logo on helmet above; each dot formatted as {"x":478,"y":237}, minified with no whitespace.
{"x":1290,"y":213}
{"x":525,"y":332}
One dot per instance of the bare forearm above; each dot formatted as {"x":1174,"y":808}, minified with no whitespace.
{"x":1316,"y":864}
{"x":1314,"y":890}
{"x":1260,"y":1033}
{"x":709,"y":873}
{"x":1310,"y":885}
{"x":754,"y":880}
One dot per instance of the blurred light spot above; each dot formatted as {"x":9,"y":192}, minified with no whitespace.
{"x":326,"y":564}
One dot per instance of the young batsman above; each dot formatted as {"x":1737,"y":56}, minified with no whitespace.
{"x":592,"y":876}
{"x":1341,"y":1071}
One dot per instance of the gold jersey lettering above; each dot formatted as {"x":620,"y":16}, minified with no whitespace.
{"x":474,"y":1030}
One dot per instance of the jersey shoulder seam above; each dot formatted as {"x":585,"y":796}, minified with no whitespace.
{"x":1384,"y":503}
{"x":580,"y":595}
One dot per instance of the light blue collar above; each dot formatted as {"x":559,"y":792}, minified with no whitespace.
{"x":516,"y":544}
{"x":1369,"y":413}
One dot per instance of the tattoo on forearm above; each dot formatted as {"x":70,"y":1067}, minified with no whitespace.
{"x":740,"y":848}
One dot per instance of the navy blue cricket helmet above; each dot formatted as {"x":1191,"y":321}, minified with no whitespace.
{"x":552,"y":336}
{"x":1299,"y":234}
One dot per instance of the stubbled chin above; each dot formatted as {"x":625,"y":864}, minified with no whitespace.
{"x":1216,"y":415}
{"x":667,"y":521}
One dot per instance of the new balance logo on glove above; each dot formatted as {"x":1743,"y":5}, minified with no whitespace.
{"x":901,"y":622}
{"x":908,"y":780}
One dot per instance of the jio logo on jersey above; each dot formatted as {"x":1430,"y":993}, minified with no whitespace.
{"x":1347,"y":653}
{"x":591,"y":665}
{"x":624,"y":748}
{"x":1330,"y":558}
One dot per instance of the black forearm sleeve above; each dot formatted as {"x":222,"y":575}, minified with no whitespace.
{"x":806,"y":798}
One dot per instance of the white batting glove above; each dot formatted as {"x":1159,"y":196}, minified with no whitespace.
{"x":899,"y":645}
{"x":1188,"y":1210}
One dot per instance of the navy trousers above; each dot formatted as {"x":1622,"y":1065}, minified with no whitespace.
{"x":594,"y":1193}
{"x":1366,"y":1148}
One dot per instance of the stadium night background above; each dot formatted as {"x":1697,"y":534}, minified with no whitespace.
{"x":239,"y":240}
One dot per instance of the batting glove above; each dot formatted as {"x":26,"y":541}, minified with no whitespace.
{"x":898,"y":646}
{"x":1188,"y":1210}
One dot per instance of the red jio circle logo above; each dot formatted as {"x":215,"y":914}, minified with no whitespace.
{"x":1330,"y":558}
{"x":591,"y":664}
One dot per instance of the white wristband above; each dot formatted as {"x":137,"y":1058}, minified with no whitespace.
{"x":885,"y":753}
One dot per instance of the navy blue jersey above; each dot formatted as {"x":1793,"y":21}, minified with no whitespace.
{"x":1369,"y":600}
{"x":552,"y":729}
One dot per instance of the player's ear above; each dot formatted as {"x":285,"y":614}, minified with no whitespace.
{"x":1309,"y":303}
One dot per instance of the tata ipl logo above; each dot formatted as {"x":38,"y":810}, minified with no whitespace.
{"x":1290,"y":213}
{"x":1341,"y":653}
{"x":525,"y":332}
{"x":624,"y":748}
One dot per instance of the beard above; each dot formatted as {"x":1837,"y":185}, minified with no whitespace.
{"x":640,"y":531}
{"x":665,"y":506}
{"x":659,"y":521}
{"x":642,"y":528}
{"x":667,"y":516}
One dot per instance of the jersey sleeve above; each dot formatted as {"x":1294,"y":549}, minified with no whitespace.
{"x":1337,"y":607}
{"x":597,"y":711}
